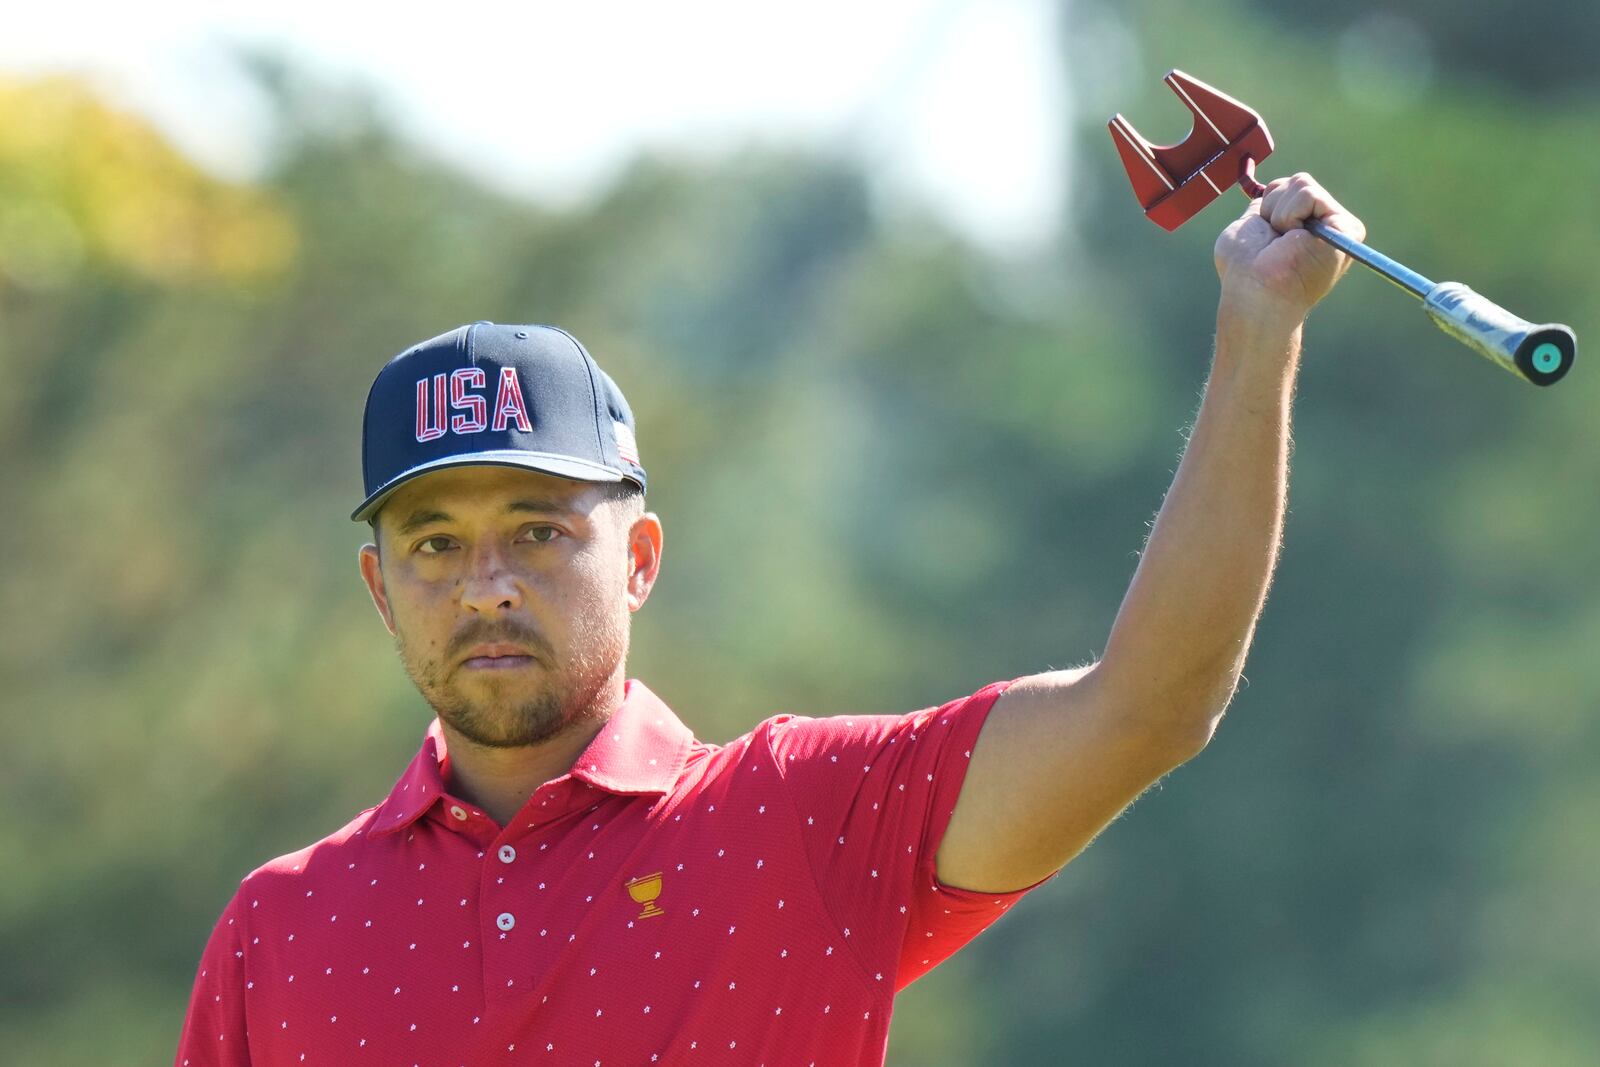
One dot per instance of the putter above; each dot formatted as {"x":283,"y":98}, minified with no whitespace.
{"x":1174,"y":182}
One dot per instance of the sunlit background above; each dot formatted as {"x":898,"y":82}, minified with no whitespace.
{"x":960,"y":105}
{"x":911,"y":373}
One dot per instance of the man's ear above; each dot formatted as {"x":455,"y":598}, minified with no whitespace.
{"x":644,"y":558}
{"x":372,"y":574}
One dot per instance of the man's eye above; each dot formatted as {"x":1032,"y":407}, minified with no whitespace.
{"x":542,"y":534}
{"x":434,"y":545}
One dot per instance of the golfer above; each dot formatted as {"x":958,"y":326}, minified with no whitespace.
{"x":565,"y":875}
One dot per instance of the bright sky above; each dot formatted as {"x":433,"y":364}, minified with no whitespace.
{"x":957,"y":104}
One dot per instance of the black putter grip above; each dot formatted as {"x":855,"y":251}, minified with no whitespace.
{"x":1541,"y":354}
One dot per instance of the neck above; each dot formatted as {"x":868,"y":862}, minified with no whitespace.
{"x":500,"y":780}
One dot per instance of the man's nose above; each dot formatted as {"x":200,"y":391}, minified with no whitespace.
{"x":490,"y":586}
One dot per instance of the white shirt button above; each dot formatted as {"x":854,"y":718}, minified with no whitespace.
{"x":459,"y":812}
{"x":507,"y":853}
{"x":506,"y":920}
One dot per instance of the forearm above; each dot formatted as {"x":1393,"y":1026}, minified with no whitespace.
{"x":1178,"y":645}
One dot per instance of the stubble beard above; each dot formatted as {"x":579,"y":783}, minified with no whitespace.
{"x":528,"y":706}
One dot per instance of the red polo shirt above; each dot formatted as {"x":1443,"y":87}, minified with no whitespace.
{"x":665,"y":901}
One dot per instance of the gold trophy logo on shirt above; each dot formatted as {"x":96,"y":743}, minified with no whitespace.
{"x":644,"y":891}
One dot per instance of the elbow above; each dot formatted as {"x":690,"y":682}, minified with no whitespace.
{"x":1201,"y":712}
{"x":1192,"y":733}
{"x":1177,"y":736}
{"x":1196,"y":715}
{"x":1178,"y":722}
{"x":1178,"y":739}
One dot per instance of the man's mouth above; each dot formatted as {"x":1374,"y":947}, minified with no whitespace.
{"x":497,"y":663}
{"x":497,"y":657}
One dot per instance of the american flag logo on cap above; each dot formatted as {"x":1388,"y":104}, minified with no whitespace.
{"x":627,"y":447}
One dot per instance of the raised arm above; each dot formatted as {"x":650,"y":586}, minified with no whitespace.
{"x":1063,"y":753}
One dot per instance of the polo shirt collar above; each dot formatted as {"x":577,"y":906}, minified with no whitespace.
{"x":640,"y":750}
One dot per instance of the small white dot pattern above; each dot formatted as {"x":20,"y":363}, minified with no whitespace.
{"x":667,"y":900}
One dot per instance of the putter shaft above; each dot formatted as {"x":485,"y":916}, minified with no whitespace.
{"x":1396,"y":272}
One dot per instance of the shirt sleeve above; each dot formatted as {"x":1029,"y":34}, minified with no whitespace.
{"x":873,"y":795}
{"x":214,"y":1033}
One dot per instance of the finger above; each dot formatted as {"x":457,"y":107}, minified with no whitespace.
{"x":1332,"y":216}
{"x":1294,"y":202}
{"x":1293,"y":207}
{"x":1343,"y":221}
{"x":1303,"y":198}
{"x":1273,"y":195}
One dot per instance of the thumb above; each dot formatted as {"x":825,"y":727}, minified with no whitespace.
{"x":1243,"y":237}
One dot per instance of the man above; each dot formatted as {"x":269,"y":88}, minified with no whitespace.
{"x":566,"y":875}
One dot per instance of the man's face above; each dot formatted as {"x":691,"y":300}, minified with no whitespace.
{"x":509,"y":595}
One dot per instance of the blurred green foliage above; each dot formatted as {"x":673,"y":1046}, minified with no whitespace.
{"x":886,"y":479}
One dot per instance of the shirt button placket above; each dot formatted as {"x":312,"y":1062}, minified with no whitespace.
{"x":506,"y":967}
{"x":504,"y":970}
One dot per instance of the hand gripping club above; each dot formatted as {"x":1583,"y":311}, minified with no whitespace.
{"x":1174,"y":182}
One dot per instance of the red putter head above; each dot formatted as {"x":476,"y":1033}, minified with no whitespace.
{"x":1174,"y":182}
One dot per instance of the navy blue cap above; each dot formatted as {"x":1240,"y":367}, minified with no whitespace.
{"x":516,"y":396}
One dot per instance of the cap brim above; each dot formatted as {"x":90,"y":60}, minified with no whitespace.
{"x":560,"y":466}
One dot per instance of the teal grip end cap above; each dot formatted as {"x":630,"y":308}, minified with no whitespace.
{"x":1546,"y":355}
